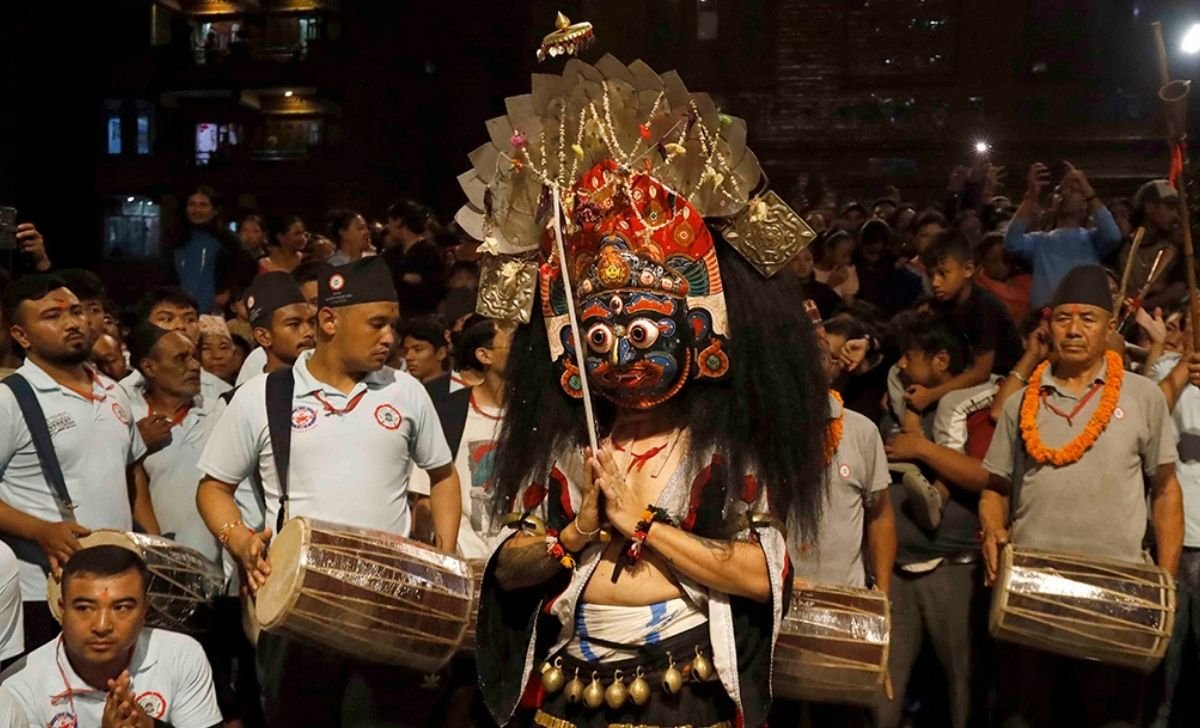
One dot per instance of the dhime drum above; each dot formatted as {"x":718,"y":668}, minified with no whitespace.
{"x":833,"y":646}
{"x":367,"y":594}
{"x":1090,"y":609}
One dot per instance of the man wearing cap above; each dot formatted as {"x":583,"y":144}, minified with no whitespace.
{"x":305,"y":278}
{"x":1072,"y":463}
{"x":283,"y":322}
{"x":355,"y":428}
{"x":1156,"y":209}
{"x":91,"y":432}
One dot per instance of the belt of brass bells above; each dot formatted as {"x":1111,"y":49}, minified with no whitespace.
{"x":595,"y":694}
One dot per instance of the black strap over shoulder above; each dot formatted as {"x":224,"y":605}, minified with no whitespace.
{"x":452,"y":409}
{"x":280,"y":384}
{"x":35,"y":420}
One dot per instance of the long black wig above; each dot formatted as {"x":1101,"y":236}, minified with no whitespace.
{"x":768,"y":418}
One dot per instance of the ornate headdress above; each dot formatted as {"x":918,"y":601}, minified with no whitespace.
{"x":638,"y":164}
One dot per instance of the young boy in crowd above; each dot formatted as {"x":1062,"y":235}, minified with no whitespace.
{"x":935,"y":588}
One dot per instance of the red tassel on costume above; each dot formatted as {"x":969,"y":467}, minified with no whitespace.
{"x":1178,"y":154}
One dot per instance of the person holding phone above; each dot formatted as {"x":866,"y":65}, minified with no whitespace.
{"x":1071,"y":243}
{"x":25,"y":239}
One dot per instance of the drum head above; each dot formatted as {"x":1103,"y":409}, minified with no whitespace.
{"x":95,"y":538}
{"x":277,"y":597}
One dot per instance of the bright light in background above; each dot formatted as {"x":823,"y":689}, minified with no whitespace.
{"x":981,"y":147}
{"x":288,"y":94}
{"x":129,"y":199}
{"x":1191,"y":40}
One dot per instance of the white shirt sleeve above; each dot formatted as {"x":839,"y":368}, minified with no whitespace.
{"x":137,"y":446}
{"x":429,"y":448}
{"x":11,"y":426}
{"x":231,"y":453}
{"x":194,"y":704}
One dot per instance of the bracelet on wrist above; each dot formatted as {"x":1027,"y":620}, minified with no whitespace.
{"x":637,"y":541}
{"x":589,"y":535}
{"x":557,"y":551}
{"x":1019,"y":377}
{"x":226,"y":531}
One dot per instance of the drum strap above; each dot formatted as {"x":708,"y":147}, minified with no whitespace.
{"x":280,"y":384}
{"x":35,"y":420}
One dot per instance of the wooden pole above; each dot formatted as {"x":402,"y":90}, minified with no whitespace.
{"x":1124,"y":289}
{"x":1176,"y":137}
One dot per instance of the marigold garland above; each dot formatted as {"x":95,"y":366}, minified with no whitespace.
{"x":833,"y":431}
{"x":1073,"y":450}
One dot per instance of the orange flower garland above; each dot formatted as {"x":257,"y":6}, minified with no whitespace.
{"x":1073,"y":450}
{"x":833,"y":432}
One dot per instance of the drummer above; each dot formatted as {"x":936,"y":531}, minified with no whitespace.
{"x":88,"y":417}
{"x":1070,"y":454}
{"x":857,"y":506}
{"x":356,"y":427}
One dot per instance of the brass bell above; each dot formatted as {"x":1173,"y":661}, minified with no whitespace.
{"x":574,"y":690}
{"x":702,"y":667}
{"x":672,"y":678}
{"x":553,"y":677}
{"x":639,"y":690}
{"x":593,"y":694}
{"x":616,"y":694}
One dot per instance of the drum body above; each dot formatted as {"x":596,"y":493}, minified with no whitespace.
{"x":467,"y":647}
{"x":368,"y":594}
{"x":1090,"y":609}
{"x":182,"y":581}
{"x":833,"y":646}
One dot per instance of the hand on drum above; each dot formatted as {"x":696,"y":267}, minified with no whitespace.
{"x":121,"y":708}
{"x":249,"y":548}
{"x":994,"y":541}
{"x":620,"y":503}
{"x":59,"y":541}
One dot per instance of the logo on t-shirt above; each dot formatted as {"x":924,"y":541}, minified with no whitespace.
{"x":120,"y":413}
{"x":63,"y":720}
{"x":303,"y":418}
{"x":154,"y":704}
{"x":59,"y":422}
{"x":388,"y":416}
{"x":844,"y":471}
{"x":1119,"y":413}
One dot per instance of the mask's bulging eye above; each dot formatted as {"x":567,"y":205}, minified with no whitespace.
{"x":643,"y":333}
{"x":600,"y":338}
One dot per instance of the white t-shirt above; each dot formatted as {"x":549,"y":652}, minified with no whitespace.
{"x":169,"y":673}
{"x":173,"y":475}
{"x":350,"y":467}
{"x":11,"y":713}
{"x":473,"y":462}
{"x":94,"y":439}
{"x":254,"y":365}
{"x":857,"y":475}
{"x":12,"y":616}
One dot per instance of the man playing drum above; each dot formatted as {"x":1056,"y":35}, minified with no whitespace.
{"x":355,"y":428}
{"x":857,"y":508}
{"x":1066,"y":469}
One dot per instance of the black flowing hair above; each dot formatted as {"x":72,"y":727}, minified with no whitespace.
{"x":767,"y":418}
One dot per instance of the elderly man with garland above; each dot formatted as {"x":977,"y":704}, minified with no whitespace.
{"x":1068,"y":466}
{"x":648,"y":580}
